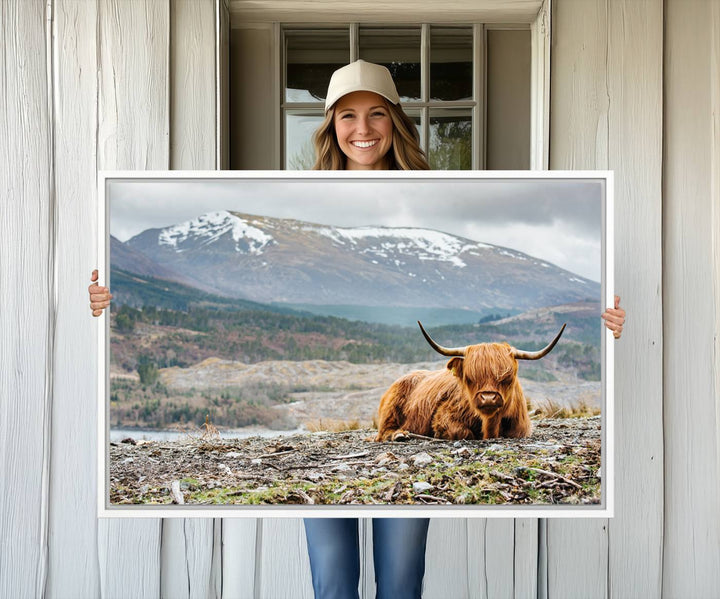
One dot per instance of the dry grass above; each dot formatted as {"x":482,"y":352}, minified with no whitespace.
{"x":210,"y":432}
{"x":205,"y":432}
{"x":332,"y":425}
{"x":552,"y":409}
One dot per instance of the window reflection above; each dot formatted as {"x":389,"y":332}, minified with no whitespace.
{"x":451,"y":60}
{"x":450,"y":146}
{"x":399,"y":51}
{"x":299,"y":149}
{"x":311,"y":57}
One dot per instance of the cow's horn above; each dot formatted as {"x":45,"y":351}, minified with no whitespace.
{"x":445,"y":351}
{"x":536,"y":355}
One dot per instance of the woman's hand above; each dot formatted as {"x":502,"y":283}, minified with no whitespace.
{"x":615,"y":318}
{"x":99,"y":296}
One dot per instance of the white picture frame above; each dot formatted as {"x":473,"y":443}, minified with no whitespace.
{"x":306,"y":195}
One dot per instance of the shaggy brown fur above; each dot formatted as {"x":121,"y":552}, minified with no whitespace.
{"x":476,"y":397}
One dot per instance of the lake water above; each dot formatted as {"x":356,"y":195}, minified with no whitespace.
{"x":118,"y":434}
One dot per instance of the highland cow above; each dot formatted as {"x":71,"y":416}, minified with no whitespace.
{"x":478,"y":395}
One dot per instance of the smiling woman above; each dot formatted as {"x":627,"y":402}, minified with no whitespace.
{"x":365,"y":128}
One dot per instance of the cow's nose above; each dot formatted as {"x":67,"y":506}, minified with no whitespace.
{"x":489,"y":396}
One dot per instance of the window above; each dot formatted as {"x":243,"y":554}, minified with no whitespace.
{"x":439,"y":72}
{"x":468,"y":88}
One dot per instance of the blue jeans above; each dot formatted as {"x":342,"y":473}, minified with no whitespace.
{"x":398,"y":552}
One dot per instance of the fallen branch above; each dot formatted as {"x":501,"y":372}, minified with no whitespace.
{"x":352,"y":455}
{"x":501,"y":476}
{"x":273,"y":455}
{"x":304,"y":496}
{"x":548,"y":473}
{"x":177,"y":496}
{"x":394,"y":490}
{"x":309,"y":466}
{"x":253,"y":477}
{"x":424,"y":497}
{"x":422,"y":437}
{"x":238,"y":492}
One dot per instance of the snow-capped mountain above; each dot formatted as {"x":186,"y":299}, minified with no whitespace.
{"x":382,"y":243}
{"x":215,"y":228}
{"x":281,"y":260}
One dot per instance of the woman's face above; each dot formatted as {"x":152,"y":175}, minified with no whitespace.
{"x":364,"y":130}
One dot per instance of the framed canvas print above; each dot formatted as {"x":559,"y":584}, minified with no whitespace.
{"x":356,"y":344}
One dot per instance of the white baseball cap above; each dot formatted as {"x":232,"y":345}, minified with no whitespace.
{"x":361,"y":76}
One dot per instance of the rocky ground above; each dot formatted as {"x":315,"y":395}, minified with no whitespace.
{"x":558,"y":464}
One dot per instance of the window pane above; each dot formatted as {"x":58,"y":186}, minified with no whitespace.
{"x":414,"y":114}
{"x":299,"y":149}
{"x":451,"y":55}
{"x":311,"y":58}
{"x":450,"y":139}
{"x":398,"y":50}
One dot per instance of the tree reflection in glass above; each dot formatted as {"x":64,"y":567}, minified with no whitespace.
{"x":450,"y":146}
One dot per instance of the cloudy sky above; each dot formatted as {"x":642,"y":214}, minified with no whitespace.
{"x":557,"y":220}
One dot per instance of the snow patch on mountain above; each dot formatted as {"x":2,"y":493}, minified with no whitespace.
{"x":424,"y":244}
{"x":576,"y":280}
{"x":210,"y":227}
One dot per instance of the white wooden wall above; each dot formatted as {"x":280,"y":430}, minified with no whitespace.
{"x":606,"y":113}
{"x":635,"y":87}
{"x":691,"y":299}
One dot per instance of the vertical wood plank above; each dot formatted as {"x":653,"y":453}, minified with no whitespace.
{"x":691,"y":403}
{"x":491,"y":557}
{"x":635,"y":49}
{"x":283,"y":571}
{"x":577,"y":550}
{"x":476,"y":533}
{"x":192,"y":85}
{"x":447,"y":559}
{"x":500,"y":557}
{"x":73,"y":560}
{"x":578,"y":96}
{"x":216,"y":562}
{"x":133,"y":125}
{"x":540,"y":89}
{"x":542,"y":571}
{"x":222,"y":16}
{"x":239,"y":555}
{"x":715,"y":193}
{"x":367,"y":561}
{"x":577,"y":558}
{"x":26,"y":304}
{"x":526,"y":558}
{"x":188,"y":560}
{"x":129,"y":558}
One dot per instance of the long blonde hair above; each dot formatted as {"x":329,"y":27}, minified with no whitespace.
{"x":405,"y":154}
